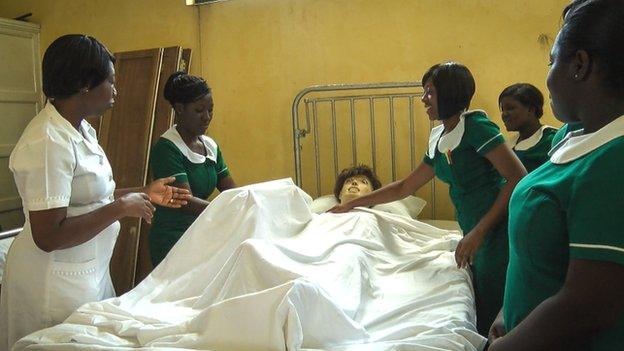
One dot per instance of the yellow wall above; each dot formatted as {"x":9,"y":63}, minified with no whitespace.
{"x":257,"y":54}
{"x":122,"y":25}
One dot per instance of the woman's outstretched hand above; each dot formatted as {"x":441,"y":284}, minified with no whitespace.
{"x":166,"y":195}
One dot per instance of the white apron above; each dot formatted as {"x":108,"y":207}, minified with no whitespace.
{"x":41,"y":289}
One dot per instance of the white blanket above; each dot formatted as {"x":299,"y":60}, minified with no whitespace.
{"x":258,"y":271}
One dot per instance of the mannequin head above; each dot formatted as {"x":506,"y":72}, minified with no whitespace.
{"x":354,"y":182}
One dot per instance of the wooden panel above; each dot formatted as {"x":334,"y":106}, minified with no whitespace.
{"x":163,"y":119}
{"x":185,"y":64}
{"x":20,"y":100}
{"x":125,"y":136}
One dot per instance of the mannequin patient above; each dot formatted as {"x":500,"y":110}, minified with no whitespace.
{"x":354,"y":182}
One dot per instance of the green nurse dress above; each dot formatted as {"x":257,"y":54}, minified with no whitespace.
{"x":533,"y":151}
{"x":458,"y":159}
{"x":170,"y":156}
{"x":570,"y":208}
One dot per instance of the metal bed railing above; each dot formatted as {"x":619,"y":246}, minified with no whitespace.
{"x":307,"y":102}
{"x":10,"y":233}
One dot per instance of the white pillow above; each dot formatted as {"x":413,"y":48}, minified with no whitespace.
{"x":323,"y":203}
{"x":411,"y":206}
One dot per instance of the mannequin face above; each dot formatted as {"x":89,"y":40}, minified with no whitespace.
{"x":354,"y":187}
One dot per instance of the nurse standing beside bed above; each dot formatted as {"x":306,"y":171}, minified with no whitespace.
{"x":521,"y":108}
{"x":565,"y":282}
{"x":60,"y":260}
{"x":194,"y":159}
{"x":468,"y":152}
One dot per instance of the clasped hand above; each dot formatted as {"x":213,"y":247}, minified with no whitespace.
{"x":139,"y":204}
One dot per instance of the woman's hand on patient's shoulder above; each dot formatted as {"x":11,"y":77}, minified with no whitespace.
{"x":166,"y":195}
{"x":341,"y":208}
{"x":137,"y":205}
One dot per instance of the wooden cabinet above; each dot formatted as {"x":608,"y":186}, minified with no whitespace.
{"x":20,"y":100}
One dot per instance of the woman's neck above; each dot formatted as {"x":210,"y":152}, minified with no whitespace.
{"x":528,"y":129}
{"x":598,"y":115}
{"x":69,"y":109}
{"x":451,"y":122}
{"x":188,"y":137}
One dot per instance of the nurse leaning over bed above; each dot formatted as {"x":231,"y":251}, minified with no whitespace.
{"x":60,"y":260}
{"x":468,"y":152}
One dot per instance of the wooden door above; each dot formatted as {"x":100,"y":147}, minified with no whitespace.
{"x":125,"y":135}
{"x":163,"y":119}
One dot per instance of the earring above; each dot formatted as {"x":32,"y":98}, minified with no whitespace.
{"x":576,"y":76}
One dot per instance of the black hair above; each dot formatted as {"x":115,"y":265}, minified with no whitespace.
{"x":454,"y":87}
{"x":526,"y":94}
{"x":352,"y":172}
{"x":73,"y":62}
{"x":596,"y":26}
{"x":184,"y":88}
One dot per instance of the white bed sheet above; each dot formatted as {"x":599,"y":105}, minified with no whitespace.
{"x":259,"y":271}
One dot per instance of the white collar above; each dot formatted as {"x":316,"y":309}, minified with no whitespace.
{"x":89,"y":136}
{"x":211,"y":146}
{"x":576,"y":144}
{"x":450,"y":140}
{"x":86,"y":133}
{"x":529,"y":142}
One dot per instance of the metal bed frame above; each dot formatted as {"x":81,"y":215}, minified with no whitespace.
{"x":313,"y":96}
{"x":10,"y":233}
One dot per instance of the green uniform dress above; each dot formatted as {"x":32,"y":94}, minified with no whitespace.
{"x":458,"y":159}
{"x":533,"y":151}
{"x":170,"y":156}
{"x":564,"y":130}
{"x":570,"y":208}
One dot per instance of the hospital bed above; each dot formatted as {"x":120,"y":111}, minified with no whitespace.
{"x":382,"y":125}
{"x":260,"y":270}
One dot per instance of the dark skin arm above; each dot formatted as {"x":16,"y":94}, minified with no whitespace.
{"x":509,"y":167}
{"x":590,"y":301}
{"x":391,"y":192}
{"x":53,"y":230}
{"x":197,"y":205}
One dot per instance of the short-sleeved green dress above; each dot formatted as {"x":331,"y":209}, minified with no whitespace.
{"x":458,"y":159}
{"x":170,"y":156}
{"x":570,"y":208}
{"x":533,"y":151}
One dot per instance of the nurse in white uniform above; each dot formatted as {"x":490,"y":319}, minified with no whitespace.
{"x":60,"y":260}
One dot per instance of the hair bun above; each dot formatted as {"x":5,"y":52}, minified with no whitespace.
{"x":184,"y":88}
